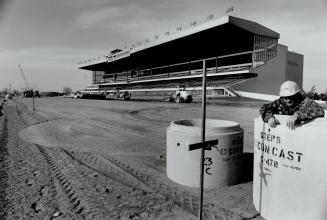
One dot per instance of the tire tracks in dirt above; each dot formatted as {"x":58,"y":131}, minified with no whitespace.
{"x":97,"y":191}
{"x":80,"y":194}
{"x":137,"y":114}
{"x":83,"y":178}
{"x":111,"y":166}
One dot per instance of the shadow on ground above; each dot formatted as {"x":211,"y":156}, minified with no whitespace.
{"x":247,"y":172}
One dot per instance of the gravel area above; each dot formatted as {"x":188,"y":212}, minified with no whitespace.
{"x":27,"y":189}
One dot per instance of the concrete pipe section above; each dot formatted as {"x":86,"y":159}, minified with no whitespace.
{"x":222,"y":164}
{"x":290,"y":170}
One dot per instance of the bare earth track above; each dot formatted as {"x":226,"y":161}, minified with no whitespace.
{"x":45,"y":183}
{"x":65,"y":182}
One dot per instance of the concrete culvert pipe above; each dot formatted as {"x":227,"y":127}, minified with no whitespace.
{"x":222,"y":164}
{"x":289,"y":176}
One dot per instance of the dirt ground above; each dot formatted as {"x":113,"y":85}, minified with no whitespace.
{"x":97,"y":159}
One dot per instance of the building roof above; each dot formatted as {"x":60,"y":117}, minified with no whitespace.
{"x":247,"y":25}
{"x":200,"y":30}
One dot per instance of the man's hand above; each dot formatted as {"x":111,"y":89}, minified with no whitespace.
{"x":273,"y":122}
{"x":291,"y":122}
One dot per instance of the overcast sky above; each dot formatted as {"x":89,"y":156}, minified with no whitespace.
{"x":49,"y":37}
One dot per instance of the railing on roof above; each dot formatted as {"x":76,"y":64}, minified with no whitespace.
{"x":265,"y":48}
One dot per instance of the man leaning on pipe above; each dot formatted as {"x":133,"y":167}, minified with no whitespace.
{"x":292,"y":102}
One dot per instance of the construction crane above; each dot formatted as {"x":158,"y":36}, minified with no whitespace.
{"x":21,"y":71}
{"x":28,"y":91}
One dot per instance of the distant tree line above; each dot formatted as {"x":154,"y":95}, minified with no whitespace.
{"x":313,"y":94}
{"x":6,"y":91}
{"x":67,"y":90}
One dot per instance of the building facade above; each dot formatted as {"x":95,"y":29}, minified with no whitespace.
{"x":237,"y":54}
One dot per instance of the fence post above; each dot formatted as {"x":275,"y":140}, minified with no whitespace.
{"x":33,"y":102}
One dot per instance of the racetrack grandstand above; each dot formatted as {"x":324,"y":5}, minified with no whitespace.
{"x":235,"y":51}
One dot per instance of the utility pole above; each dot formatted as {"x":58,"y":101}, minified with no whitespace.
{"x":33,"y":102}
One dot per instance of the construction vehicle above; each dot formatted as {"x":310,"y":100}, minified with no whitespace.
{"x":78,"y":95}
{"x":116,"y":94}
{"x":181,"y":96}
{"x":28,"y":92}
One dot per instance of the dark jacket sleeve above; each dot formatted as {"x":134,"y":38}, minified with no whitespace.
{"x":267,"y":110}
{"x":310,"y":110}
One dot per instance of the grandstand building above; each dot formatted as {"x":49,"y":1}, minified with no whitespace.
{"x":242,"y":58}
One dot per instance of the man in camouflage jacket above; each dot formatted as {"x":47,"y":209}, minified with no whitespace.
{"x":291,"y":102}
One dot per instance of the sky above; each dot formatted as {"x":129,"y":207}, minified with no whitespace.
{"x":49,"y":37}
